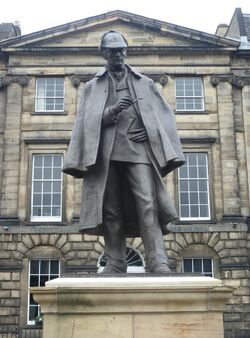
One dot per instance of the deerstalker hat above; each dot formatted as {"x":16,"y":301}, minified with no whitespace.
{"x":113,"y":39}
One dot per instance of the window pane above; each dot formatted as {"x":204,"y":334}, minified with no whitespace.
{"x":41,"y":81}
{"x":56,"y":211}
{"x":34,"y":267}
{"x":202,"y":185}
{"x":194,"y":209}
{"x":54,"y":267}
{"x":204,"y":211}
{"x":47,"y":173}
{"x":46,"y":211}
{"x":59,"y":102}
{"x":57,"y":173}
{"x":202,"y":159}
{"x":56,"y":199}
{"x":46,"y":199}
{"x":37,"y":211}
{"x":198,"y":104}
{"x":40,"y":104}
{"x":37,"y":186}
{"x":53,"y":277}
{"x":44,"y":267}
{"x":48,"y":161}
{"x":202,"y":172}
{"x":56,"y":186}
{"x":192,"y":159}
{"x":184,"y":198}
{"x":194,"y":198}
{"x":38,"y":173}
{"x":33,"y":312}
{"x":37,"y":198}
{"x":203,"y":198}
{"x":43,"y":280}
{"x":34,"y":281}
{"x":207,"y":265}
{"x":47,"y":185}
{"x":32,"y":302}
{"x":38,"y":161}
{"x":183,"y":172}
{"x":192,"y":172}
{"x":183,"y":185}
{"x":193,"y":185}
{"x":185,"y":211}
{"x":58,"y":161}
{"x":197,"y":265}
{"x":187,"y":263}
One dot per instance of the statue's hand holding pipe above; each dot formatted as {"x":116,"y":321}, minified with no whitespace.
{"x":123,"y":104}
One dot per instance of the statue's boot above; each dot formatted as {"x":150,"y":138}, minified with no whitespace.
{"x":115,"y":248}
{"x":154,"y":247}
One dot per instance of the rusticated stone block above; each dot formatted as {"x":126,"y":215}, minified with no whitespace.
{"x":5,"y":276}
{"x":232,"y":317}
{"x":238,"y":274}
{"x":214,"y":239}
{"x":61,"y":241}
{"x":75,"y":238}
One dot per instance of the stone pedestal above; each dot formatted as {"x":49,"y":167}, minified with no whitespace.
{"x":133,"y":307}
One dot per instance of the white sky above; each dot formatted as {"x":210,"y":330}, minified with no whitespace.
{"x":203,"y":15}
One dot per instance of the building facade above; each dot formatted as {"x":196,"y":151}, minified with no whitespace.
{"x":206,"y":80}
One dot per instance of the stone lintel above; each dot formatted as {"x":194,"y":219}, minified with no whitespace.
{"x":45,"y":140}
{"x":9,"y":221}
{"x":187,"y":227}
{"x":10,"y":266}
{"x":234,"y":218}
{"x":234,"y":267}
{"x":133,"y":307}
{"x":198,"y":140}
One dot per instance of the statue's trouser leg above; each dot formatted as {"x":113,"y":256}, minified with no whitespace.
{"x":115,"y":242}
{"x":141,"y":182}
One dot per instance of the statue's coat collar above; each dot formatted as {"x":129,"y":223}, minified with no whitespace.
{"x":103,"y":71}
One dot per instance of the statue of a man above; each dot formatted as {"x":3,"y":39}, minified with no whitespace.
{"x":123,"y":142}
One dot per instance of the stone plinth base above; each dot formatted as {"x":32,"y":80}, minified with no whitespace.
{"x":133,"y":307}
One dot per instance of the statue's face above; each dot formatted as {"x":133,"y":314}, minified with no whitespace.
{"x":115,"y":57}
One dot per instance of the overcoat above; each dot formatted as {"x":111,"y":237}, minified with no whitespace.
{"x":90,"y":149}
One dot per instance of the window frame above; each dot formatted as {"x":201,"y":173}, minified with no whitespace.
{"x":49,"y":111}
{"x":197,"y":250}
{"x":130,"y":268}
{"x":202,"y":265}
{"x":43,"y":252}
{"x":197,"y":149}
{"x":202,"y":97}
{"x":42,"y":219}
{"x":32,"y":322}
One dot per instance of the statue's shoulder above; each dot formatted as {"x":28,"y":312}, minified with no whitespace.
{"x":138,"y":75}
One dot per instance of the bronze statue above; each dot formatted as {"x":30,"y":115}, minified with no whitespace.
{"x":123,"y":142}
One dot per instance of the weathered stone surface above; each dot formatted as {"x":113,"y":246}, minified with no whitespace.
{"x":194,"y":306}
